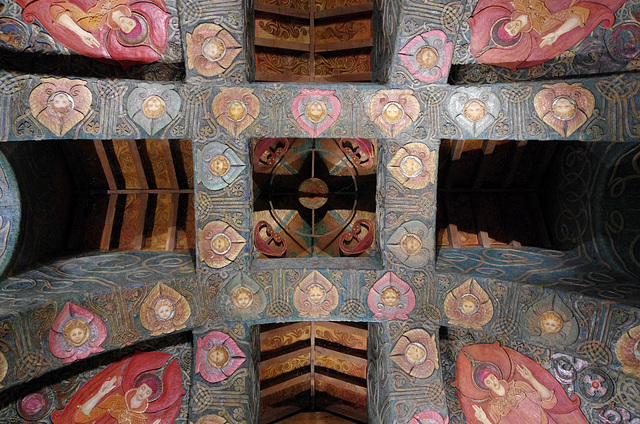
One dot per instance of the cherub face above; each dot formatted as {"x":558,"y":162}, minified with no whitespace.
{"x":153,"y":106}
{"x":220,"y":244}
{"x":219,"y":165}
{"x":492,"y":382}
{"x":213,"y":49}
{"x":411,"y":166}
{"x":468,"y":304}
{"x":427,"y":57}
{"x":164,"y":309}
{"x":315,"y":111}
{"x":242,"y":297}
{"x":416,"y":353}
{"x":61,"y":103}
{"x":392,"y":112}
{"x":390,"y":296}
{"x":513,"y":27}
{"x":563,"y":108}
{"x":551,"y":322}
{"x":236,"y":111}
{"x":218,"y":356}
{"x":126,"y":24}
{"x":315,"y":293}
{"x":474,"y":110}
{"x":410,"y":244}
{"x":76,"y":335}
{"x":76,"y":331}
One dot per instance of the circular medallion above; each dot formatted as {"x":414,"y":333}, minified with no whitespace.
{"x":551,"y":322}
{"x":242,"y":297}
{"x":563,"y":108}
{"x":236,"y":111}
{"x":35,"y":406}
{"x":411,"y":166}
{"x":474,"y":110}
{"x":133,"y":31}
{"x":220,"y":244}
{"x":624,"y":41}
{"x":153,"y":107}
{"x":13,"y":35}
{"x":636,"y":349}
{"x":316,"y":294}
{"x":315,"y":111}
{"x":313,"y":193}
{"x":595,"y":384}
{"x":416,"y":353}
{"x":219,"y":165}
{"x":427,"y":57}
{"x":468,"y":304}
{"x":164,"y":309}
{"x":393,"y":112}
{"x":76,"y":331}
{"x":213,"y":49}
{"x":218,"y":356}
{"x":390,"y":296}
{"x":410,"y":244}
{"x":60,"y":103}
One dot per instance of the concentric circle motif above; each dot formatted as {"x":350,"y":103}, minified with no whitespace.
{"x":220,"y":244}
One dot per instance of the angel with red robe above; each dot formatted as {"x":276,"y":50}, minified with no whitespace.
{"x":126,"y":31}
{"x":498,"y":385}
{"x":128,"y":392}
{"x":524,"y":33}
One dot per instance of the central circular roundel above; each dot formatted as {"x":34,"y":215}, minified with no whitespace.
{"x":313,"y":193}
{"x":320,"y":185}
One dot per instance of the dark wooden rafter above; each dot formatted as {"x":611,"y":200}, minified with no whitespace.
{"x":144,"y":207}
{"x":467,"y":188}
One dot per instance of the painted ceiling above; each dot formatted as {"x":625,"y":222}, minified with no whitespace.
{"x":493,"y":271}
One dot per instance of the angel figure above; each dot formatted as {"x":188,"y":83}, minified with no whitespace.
{"x":130,"y":391}
{"x":525,"y":33}
{"x":498,"y":385}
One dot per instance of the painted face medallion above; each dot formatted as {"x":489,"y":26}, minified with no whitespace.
{"x":164,"y":309}
{"x":427,"y":57}
{"x":315,"y":111}
{"x":316,"y":294}
{"x":390,"y":296}
{"x":219,"y":165}
{"x":218,"y":356}
{"x":60,"y":103}
{"x":563,"y":108}
{"x":242,"y":297}
{"x":213,"y":49}
{"x":410,"y":244}
{"x":551,"y":322}
{"x":474,"y":110}
{"x":77,"y":332}
{"x":236,"y":111}
{"x":416,"y":353}
{"x":393,"y":112}
{"x":411,"y":166}
{"x":153,"y":107}
{"x":220,"y":244}
{"x":468,"y":304}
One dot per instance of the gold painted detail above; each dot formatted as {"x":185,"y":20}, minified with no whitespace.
{"x":342,"y":64}
{"x":282,"y":64}
{"x":340,"y":365}
{"x":342,"y":337}
{"x":285,"y":367}
{"x":294,"y":4}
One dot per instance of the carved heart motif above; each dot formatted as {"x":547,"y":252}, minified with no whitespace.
{"x":316,"y":110}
